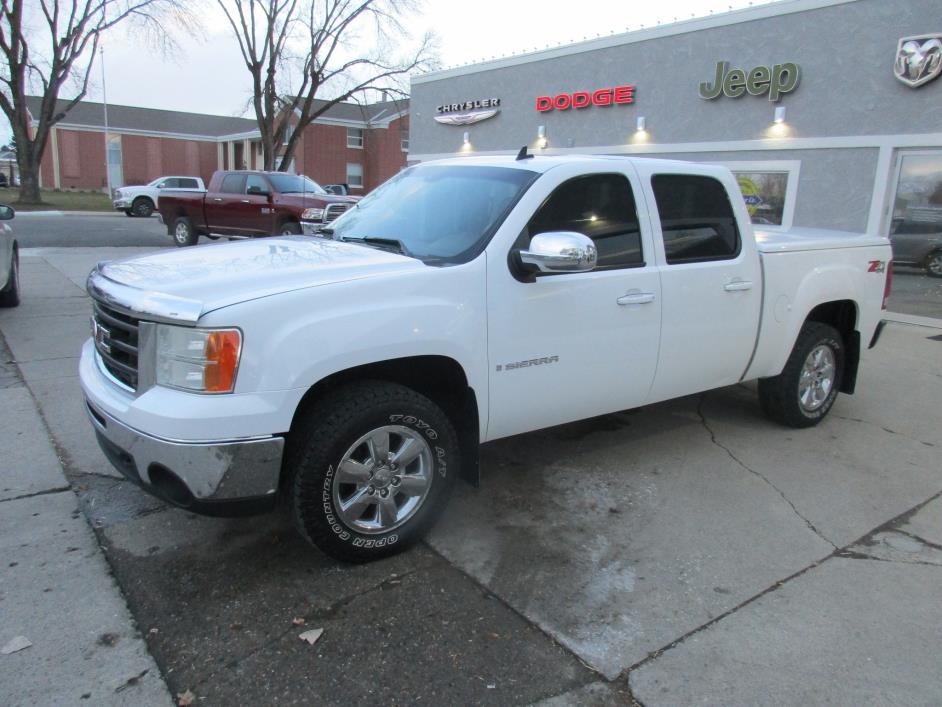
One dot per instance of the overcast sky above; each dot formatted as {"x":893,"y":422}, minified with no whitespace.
{"x":206,"y":75}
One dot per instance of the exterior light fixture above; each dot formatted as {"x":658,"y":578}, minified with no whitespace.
{"x":779,"y":115}
{"x":640,"y":124}
{"x":467,"y":138}
{"x":541,"y":136}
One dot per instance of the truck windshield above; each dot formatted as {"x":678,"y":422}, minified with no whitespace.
{"x":440,"y":214}
{"x":295,"y":184}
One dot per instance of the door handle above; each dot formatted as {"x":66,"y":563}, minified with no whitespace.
{"x":636,"y":298}
{"x":216,"y":198}
{"x":737,"y":286}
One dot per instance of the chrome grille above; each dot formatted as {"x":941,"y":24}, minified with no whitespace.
{"x":334,"y":210}
{"x":116,"y":340}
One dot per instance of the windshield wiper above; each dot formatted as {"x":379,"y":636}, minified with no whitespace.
{"x":392,"y":244}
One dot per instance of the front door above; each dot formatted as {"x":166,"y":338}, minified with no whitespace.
{"x":711,"y":281}
{"x":568,"y":346}
{"x":222,"y":205}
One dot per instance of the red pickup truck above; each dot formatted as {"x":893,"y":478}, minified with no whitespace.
{"x":248,"y":204}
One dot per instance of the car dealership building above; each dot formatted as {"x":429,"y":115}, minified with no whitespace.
{"x":828,"y":111}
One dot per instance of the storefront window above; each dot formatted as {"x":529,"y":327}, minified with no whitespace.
{"x":916,"y":225}
{"x":764,"y":194}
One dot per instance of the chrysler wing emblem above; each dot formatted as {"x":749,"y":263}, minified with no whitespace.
{"x":474,"y":116}
{"x":918,"y":59}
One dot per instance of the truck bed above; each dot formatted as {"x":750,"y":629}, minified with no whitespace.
{"x":800,"y":239}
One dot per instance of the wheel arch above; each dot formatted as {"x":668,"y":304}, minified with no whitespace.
{"x":843,"y":316}
{"x":442,"y":379}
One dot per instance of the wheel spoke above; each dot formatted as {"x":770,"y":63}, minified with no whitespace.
{"x":378,"y":444}
{"x":413,"y":484}
{"x":386,"y":515}
{"x":354,"y":506}
{"x":353,"y":472}
{"x":407,"y":452}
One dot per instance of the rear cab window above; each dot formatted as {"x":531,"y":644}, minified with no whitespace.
{"x":697,"y":219}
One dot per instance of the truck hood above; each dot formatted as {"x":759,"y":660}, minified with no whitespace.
{"x":182,"y":285}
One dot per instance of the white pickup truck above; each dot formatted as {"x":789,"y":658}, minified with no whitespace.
{"x":143,"y":200}
{"x":463,"y":301}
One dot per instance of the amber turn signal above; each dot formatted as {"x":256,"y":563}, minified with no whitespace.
{"x":222,"y":360}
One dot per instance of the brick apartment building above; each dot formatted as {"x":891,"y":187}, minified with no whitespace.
{"x":359,"y":145}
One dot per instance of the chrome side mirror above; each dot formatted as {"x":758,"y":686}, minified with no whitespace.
{"x":559,"y":251}
{"x":6,"y":212}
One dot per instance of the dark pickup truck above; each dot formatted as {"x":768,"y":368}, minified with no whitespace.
{"x":248,"y":204}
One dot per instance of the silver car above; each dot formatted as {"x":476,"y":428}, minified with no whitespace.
{"x":9,"y":260}
{"x":918,"y":243}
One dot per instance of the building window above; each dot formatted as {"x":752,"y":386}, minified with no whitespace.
{"x":404,"y":142}
{"x":769,"y":190}
{"x":115,"y":171}
{"x":355,"y":176}
{"x":355,"y":137}
{"x":289,"y":131}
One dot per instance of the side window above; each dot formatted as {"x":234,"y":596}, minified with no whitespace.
{"x":187,"y":183}
{"x":696,"y":218}
{"x":254,"y":184}
{"x":600,"y":206}
{"x":232,"y":184}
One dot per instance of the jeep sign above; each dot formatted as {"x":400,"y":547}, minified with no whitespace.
{"x":781,"y":78}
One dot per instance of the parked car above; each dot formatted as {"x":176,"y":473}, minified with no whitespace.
{"x":9,"y":260}
{"x":463,"y":301}
{"x":245,"y":204}
{"x":143,"y":200}
{"x":919,"y":243}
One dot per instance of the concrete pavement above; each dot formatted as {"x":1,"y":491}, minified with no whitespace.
{"x":685,"y":552}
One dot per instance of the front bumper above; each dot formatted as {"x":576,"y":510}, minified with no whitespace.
{"x":222,"y":478}
{"x":121,"y":204}
{"x":312,"y":228}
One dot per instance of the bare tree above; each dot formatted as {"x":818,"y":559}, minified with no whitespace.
{"x":296,"y":50}
{"x":51,"y":44}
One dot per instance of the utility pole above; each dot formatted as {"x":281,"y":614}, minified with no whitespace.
{"x":104,"y":103}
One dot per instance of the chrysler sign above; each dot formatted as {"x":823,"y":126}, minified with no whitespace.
{"x":467,"y":112}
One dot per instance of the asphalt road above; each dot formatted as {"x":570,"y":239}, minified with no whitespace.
{"x":84,"y":230}
{"x":913,"y":291}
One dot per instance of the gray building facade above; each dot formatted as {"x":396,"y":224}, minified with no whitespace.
{"x":852,"y":141}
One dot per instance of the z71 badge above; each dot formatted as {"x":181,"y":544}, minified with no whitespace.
{"x":877,"y":266}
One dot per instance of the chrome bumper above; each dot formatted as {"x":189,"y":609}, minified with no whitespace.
{"x":312,"y":228}
{"x":200,"y":476}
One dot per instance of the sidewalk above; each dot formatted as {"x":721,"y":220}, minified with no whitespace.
{"x":56,"y":589}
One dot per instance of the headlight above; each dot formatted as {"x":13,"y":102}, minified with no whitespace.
{"x":312,"y":214}
{"x":202,"y":360}
{"x":117,"y":193}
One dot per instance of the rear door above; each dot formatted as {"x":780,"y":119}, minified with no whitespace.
{"x":711,"y":279}
{"x":222,"y":207}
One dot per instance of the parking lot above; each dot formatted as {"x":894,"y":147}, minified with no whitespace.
{"x":690,"y":551}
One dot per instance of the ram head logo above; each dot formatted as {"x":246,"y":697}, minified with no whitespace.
{"x":918,"y":59}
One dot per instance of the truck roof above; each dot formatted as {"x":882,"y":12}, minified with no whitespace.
{"x":543,"y":163}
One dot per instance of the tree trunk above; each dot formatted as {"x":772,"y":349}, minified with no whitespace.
{"x":29,"y":179}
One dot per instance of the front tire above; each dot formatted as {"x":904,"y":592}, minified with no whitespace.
{"x":142,"y":207}
{"x":289,"y":228}
{"x":934,"y":264}
{"x":183,"y":232}
{"x":372,"y":466}
{"x":10,"y":294}
{"x":803,"y":393}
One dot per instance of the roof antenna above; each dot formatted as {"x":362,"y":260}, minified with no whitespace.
{"x":523,"y":154}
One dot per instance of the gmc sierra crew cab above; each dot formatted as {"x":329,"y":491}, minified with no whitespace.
{"x":465,"y":300}
{"x":245,"y":204}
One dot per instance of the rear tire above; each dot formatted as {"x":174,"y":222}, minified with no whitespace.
{"x":10,"y":294}
{"x":934,"y":264}
{"x":183,"y":232}
{"x":372,"y":465}
{"x":803,"y":393}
